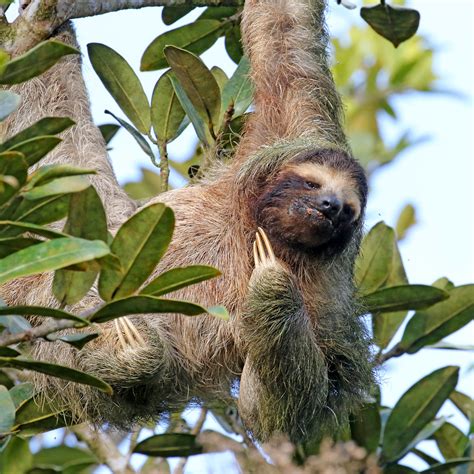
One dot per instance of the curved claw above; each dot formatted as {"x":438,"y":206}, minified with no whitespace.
{"x":128,"y":334}
{"x":262,"y":249}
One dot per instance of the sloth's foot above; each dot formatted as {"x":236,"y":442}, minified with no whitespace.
{"x":262,"y":250}
{"x":128,"y":334}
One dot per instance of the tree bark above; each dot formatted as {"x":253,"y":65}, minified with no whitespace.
{"x":41,"y":18}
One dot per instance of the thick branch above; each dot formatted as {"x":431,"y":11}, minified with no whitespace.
{"x":42,"y":17}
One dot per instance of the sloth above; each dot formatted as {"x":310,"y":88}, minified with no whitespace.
{"x":282,"y":220}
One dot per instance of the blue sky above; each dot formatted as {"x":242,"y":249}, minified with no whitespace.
{"x":436,"y":176}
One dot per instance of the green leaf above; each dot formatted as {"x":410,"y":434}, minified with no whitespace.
{"x":427,"y":458}
{"x":374,"y":263}
{"x":415,"y":409}
{"x":12,"y":164}
{"x":451,"y":441}
{"x":406,"y":220}
{"x":48,"y":173}
{"x":167,"y":114}
{"x":47,"y":256}
{"x":199,"y":84}
{"x":8,"y":352}
{"x":452,"y":347}
{"x":196,"y":37}
{"x":396,"y":24}
{"x":21,"y":393}
{"x":218,"y":312}
{"x":447,"y":466}
{"x":10,"y":245}
{"x":177,"y":278}
{"x":144,"y":305}
{"x":36,"y":148}
{"x":238,"y":92}
{"x":135,"y":134}
{"x":43,"y":311}
{"x":139,"y":244}
{"x":36,"y":61}
{"x":62,"y":457}
{"x":366,"y":427}
{"x":87,"y":220}
{"x":17,"y":457}
{"x":43,"y":211}
{"x":33,"y":418}
{"x":404,"y":297}
{"x":433,"y":324}
{"x":108,"y":131}
{"x":47,"y":126}
{"x":464,"y":403}
{"x":35,"y":229}
{"x":233,"y":44}
{"x":220,"y":76}
{"x":78,"y":340}
{"x":122,"y":83}
{"x":54,"y":370}
{"x":198,"y":123}
{"x":7,"y":410}
{"x":173,"y":13}
{"x":169,"y":445}
{"x":9,"y":102}
{"x":68,"y":184}
{"x":444,"y":284}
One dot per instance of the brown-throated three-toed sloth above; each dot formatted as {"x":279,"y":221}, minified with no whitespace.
{"x":295,"y":341}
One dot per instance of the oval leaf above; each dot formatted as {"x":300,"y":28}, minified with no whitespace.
{"x":143,"y":305}
{"x":238,"y":92}
{"x":177,"y":278}
{"x":62,"y":372}
{"x":195,"y":37}
{"x":198,"y":83}
{"x":87,"y":220}
{"x":167,"y":114}
{"x":415,"y":409}
{"x":433,"y":324}
{"x":42,"y":311}
{"x":35,"y":148}
{"x":68,"y":184}
{"x":374,"y":264}
{"x":397,"y":24}
{"x":47,"y":126}
{"x":35,"y":61}
{"x":139,"y":245}
{"x":122,"y":83}
{"x":7,"y":410}
{"x":404,"y":297}
{"x":169,"y":445}
{"x":47,"y":256}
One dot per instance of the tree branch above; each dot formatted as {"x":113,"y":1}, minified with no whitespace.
{"x":35,"y":333}
{"x":42,"y":17}
{"x":104,"y":448}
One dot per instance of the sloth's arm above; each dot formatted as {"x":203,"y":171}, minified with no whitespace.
{"x":284,"y":384}
{"x":286,"y":42}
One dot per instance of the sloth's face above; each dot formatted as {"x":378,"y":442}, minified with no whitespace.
{"x":310,"y":206}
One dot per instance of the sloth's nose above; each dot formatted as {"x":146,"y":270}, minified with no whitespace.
{"x":329,"y":205}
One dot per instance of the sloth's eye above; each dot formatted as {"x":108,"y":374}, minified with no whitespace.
{"x":347,"y":210}
{"x":311,"y":185}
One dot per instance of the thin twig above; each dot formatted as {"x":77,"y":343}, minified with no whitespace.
{"x":179,"y":469}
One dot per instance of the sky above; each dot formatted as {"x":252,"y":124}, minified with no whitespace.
{"x":436,"y":176}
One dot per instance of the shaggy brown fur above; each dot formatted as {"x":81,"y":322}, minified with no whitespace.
{"x":294,"y":340}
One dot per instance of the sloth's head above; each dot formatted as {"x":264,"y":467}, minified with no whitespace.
{"x":315,"y":202}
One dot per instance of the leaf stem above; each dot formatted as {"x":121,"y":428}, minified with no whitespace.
{"x":164,"y":166}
